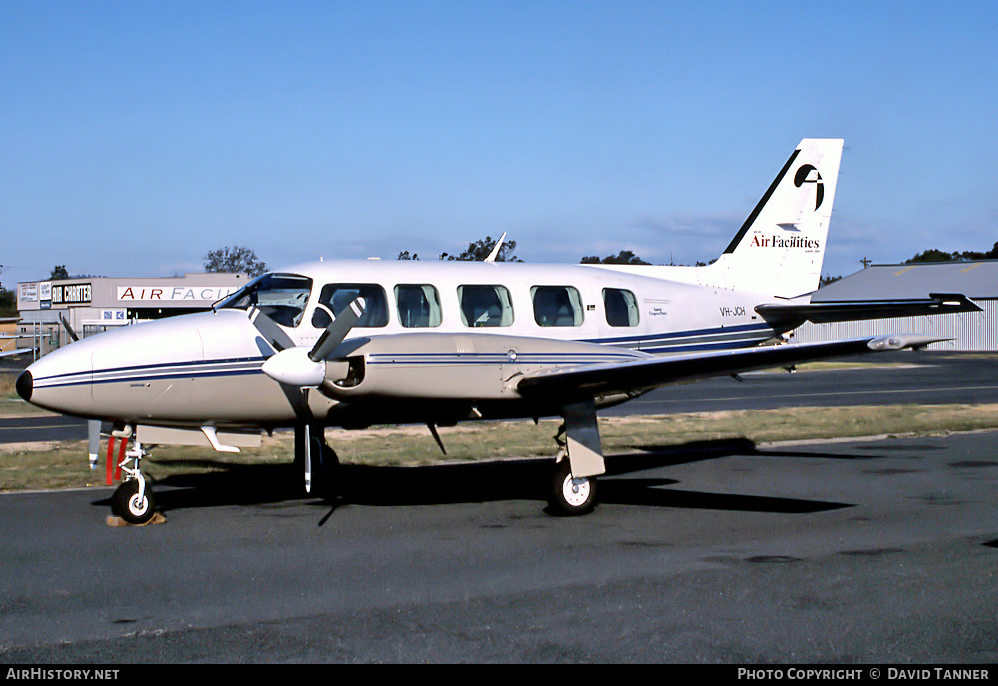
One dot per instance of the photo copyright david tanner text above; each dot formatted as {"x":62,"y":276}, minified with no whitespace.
{"x":888,"y":673}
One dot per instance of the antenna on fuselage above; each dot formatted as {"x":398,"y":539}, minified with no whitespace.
{"x":495,"y":250}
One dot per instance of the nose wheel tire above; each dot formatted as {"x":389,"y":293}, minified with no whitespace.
{"x":569,"y":495}
{"x":130,"y":506}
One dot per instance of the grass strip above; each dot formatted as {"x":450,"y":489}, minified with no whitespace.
{"x":64,"y":464}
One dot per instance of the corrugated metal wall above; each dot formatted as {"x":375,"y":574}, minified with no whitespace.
{"x":971,"y":331}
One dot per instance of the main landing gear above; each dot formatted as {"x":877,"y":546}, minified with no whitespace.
{"x":572,"y":490}
{"x":570,"y":495}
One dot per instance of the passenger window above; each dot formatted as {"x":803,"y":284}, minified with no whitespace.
{"x":621,"y":307}
{"x":556,"y":306}
{"x":485,"y":306}
{"x":335,"y":298}
{"x":418,"y":306}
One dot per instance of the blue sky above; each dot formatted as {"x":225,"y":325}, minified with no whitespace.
{"x":137,"y":136}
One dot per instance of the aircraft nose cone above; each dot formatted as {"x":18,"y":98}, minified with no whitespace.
{"x":24,"y":385}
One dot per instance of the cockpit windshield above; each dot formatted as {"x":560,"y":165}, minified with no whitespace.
{"x":282,"y":297}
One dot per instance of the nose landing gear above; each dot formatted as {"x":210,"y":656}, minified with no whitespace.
{"x":133,"y":501}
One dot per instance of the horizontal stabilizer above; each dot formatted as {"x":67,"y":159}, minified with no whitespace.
{"x":790,"y":316}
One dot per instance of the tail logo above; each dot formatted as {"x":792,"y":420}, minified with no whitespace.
{"x":802,"y":177}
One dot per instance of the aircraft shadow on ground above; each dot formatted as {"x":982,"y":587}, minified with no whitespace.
{"x":527,"y":479}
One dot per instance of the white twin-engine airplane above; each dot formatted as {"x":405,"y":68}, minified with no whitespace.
{"x":352,"y":344}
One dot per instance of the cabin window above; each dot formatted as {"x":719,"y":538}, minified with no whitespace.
{"x":621,"y":307}
{"x":418,"y":306}
{"x":485,"y":306}
{"x":282,"y":297}
{"x":335,"y":298}
{"x":556,"y":306}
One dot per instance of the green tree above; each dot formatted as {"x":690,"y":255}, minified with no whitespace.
{"x":8,"y":303}
{"x":623,"y":257}
{"x":479,"y":250}
{"x":934,"y":255}
{"x":59,"y":272}
{"x":235,"y":260}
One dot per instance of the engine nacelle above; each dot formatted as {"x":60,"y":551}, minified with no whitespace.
{"x":423,"y":365}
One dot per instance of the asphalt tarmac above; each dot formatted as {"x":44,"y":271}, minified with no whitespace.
{"x":895,"y":378}
{"x":876,"y":552}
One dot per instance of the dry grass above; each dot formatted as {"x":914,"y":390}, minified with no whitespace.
{"x":41,"y":466}
{"x":10,"y":403}
{"x":7,"y":392}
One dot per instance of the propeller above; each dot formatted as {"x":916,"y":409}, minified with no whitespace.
{"x":301,"y":368}
{"x":297,"y":368}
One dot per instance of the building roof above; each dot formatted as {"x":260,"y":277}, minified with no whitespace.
{"x":977,"y":279}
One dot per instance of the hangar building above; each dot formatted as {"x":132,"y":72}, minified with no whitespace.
{"x":970,"y":331}
{"x":48,"y":310}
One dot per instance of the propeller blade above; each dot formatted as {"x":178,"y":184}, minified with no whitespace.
{"x":308,"y":447}
{"x":337,"y":331}
{"x":269,"y":329}
{"x":69,"y":329}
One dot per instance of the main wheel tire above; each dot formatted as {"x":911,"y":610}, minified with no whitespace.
{"x":570,"y":496}
{"x":127,"y":504}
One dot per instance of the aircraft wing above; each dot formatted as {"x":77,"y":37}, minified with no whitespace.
{"x":642,"y":374}
{"x":792,"y":315}
{"x":18,"y":351}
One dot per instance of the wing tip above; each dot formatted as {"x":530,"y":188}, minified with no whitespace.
{"x":902,"y":341}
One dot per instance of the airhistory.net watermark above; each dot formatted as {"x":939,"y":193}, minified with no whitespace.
{"x":50,"y":674}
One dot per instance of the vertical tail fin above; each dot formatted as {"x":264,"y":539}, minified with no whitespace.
{"x":780,"y":248}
